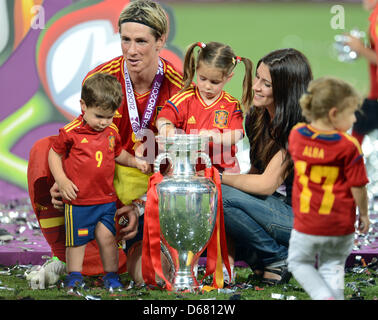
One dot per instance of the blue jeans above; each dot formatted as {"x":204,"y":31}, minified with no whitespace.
{"x":259,"y":225}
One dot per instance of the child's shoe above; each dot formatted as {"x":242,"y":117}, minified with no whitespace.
{"x":73,"y":279}
{"x":112,"y":281}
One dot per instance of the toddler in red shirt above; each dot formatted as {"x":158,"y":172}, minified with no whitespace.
{"x":82,"y":161}
{"x":330,"y":181}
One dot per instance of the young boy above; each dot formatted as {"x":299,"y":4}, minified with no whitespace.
{"x":82,"y":163}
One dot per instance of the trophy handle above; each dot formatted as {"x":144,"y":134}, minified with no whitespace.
{"x":159,"y":159}
{"x":205,"y":157}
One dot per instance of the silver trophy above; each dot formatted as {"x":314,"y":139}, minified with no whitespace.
{"x":187,"y":203}
{"x":343,"y":51}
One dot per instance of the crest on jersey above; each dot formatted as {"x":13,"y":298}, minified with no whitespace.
{"x":221,"y":119}
{"x":111,"y":139}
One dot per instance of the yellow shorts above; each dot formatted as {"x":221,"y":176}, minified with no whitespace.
{"x":129,"y":183}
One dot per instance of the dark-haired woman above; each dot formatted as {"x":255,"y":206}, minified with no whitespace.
{"x":257,"y":206}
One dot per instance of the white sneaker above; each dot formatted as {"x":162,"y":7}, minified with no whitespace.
{"x":40,"y":277}
{"x":36,"y":277}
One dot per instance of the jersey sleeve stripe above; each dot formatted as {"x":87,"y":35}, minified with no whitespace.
{"x":67,"y":126}
{"x":174,"y":73}
{"x":177,"y":96}
{"x":175,"y":82}
{"x":173,"y":105}
{"x":112,"y":71}
{"x":114,"y":127}
{"x":181,"y":97}
{"x":73,"y":127}
{"x":110,"y":65}
{"x":107,"y":68}
{"x":230,"y":98}
{"x":354,"y":141}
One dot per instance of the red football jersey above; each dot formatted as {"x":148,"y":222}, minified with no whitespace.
{"x":189,"y":112}
{"x":327,"y":165}
{"x":172,"y":83}
{"x":88,"y":160}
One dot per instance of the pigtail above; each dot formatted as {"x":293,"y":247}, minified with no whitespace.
{"x":247,"y":95}
{"x":189,"y":67}
{"x":305,"y":103}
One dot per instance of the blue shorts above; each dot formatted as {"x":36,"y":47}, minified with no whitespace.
{"x":81,"y":222}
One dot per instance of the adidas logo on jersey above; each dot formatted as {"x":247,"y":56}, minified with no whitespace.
{"x":84,"y":140}
{"x":192,"y":120}
{"x":117,"y":114}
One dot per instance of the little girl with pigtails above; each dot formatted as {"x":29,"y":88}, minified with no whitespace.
{"x":204,"y":107}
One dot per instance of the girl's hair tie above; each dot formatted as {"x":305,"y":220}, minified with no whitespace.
{"x":236,"y":60}
{"x":201,"y":44}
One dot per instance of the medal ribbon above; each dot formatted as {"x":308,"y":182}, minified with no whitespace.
{"x":151,"y":262}
{"x":137,"y":126}
{"x":217,"y":252}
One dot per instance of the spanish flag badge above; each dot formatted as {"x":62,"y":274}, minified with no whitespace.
{"x":82,"y":232}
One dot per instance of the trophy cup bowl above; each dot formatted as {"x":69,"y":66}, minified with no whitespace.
{"x":187,"y":204}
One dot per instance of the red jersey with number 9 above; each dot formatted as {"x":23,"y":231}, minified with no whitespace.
{"x":327,"y":165}
{"x":88,"y":160}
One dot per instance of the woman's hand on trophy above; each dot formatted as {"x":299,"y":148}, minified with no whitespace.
{"x":131,"y":213}
{"x":56,"y":197}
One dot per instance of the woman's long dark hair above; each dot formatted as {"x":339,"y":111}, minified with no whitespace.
{"x":291,"y":73}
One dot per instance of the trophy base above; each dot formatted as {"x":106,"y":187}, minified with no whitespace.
{"x":185,"y":282}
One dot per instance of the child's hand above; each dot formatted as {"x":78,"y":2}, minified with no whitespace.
{"x":363,"y":224}
{"x":143,"y":166}
{"x":68,"y":189}
{"x":167,"y":130}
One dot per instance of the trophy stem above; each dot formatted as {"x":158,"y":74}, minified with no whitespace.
{"x":184,"y":280}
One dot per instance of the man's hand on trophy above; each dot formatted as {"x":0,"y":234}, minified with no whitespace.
{"x":131,"y":214}
{"x":143,"y":166}
{"x":56,"y":197}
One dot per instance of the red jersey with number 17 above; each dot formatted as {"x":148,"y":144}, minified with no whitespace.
{"x":327,"y":165}
{"x":88,"y":160}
